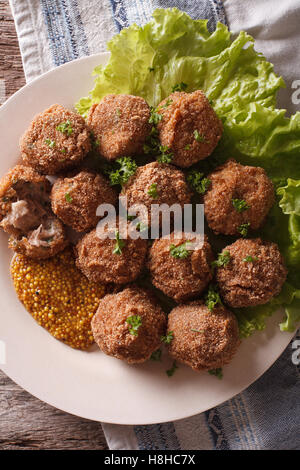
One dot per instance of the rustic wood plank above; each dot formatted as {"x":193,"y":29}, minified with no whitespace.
{"x":25,"y":421}
{"x":11,"y":69}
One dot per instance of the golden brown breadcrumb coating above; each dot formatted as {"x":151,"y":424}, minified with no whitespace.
{"x":112,"y":332}
{"x":97,"y":260}
{"x":255,"y":273}
{"x":202,"y":339}
{"x":190,"y":127}
{"x":57,"y":139}
{"x":235,"y":181}
{"x":75,"y":199}
{"x":180,"y":278}
{"x":120,"y":124}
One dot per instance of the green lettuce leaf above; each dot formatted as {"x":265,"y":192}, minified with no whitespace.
{"x":242,"y":87}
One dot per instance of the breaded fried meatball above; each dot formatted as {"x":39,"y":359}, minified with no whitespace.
{"x":238,"y":196}
{"x":120,"y":124}
{"x":42,"y":243}
{"x":157,"y":183}
{"x":25,"y":213}
{"x":129,"y":325}
{"x":57,"y":139}
{"x":180,"y":273}
{"x":75,"y":199}
{"x":203,"y":339}
{"x":255,"y":273}
{"x":101,"y":261}
{"x":190,"y":127}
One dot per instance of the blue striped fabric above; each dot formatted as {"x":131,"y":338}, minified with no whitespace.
{"x":266,"y":415}
{"x":65,"y":30}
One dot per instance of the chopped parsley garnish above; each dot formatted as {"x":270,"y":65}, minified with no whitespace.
{"x":187,"y":147}
{"x":68,"y":197}
{"x":63,"y":151}
{"x":171,"y":371}
{"x":197,"y":331}
{"x":156,"y":355}
{"x":135,"y":322}
{"x":65,"y":127}
{"x":155,"y":117}
{"x":180,"y":251}
{"x":152,"y":191}
{"x":197,"y":181}
{"x":166,"y":156}
{"x":250,"y":259}
{"x":179,"y":87}
{"x":240,"y":205}
{"x":50,"y":143}
{"x":243,"y":229}
{"x":217,"y":372}
{"x":127,"y":168}
{"x":199,"y":137}
{"x":140,"y":226}
{"x":212,"y":298}
{"x":168,"y":338}
{"x":222,"y":260}
{"x":118,"y":112}
{"x":119,"y":244}
{"x":167,"y":103}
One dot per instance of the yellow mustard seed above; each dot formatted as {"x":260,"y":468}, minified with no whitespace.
{"x":58,"y":296}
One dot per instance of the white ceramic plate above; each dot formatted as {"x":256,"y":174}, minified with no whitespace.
{"x":91,"y":384}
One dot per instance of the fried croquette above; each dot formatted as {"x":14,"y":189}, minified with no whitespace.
{"x":254,"y":274}
{"x":106,"y":260}
{"x":239,"y":196}
{"x":25,"y":213}
{"x":120,"y":124}
{"x":75,"y":199}
{"x":157,"y":183}
{"x":129,"y":325}
{"x":189,"y":127}
{"x":177,"y":271}
{"x":203,"y":339}
{"x":57,"y":139}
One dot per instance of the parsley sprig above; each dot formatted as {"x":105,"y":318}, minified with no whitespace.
{"x":152,"y":191}
{"x":134,"y":321}
{"x":198,"y":137}
{"x":179,"y":87}
{"x":222,"y":260}
{"x":180,"y":251}
{"x":65,"y":127}
{"x":68,"y":198}
{"x":171,"y":372}
{"x":243,"y":229}
{"x":250,"y":259}
{"x":126,"y":168}
{"x":198,"y":182}
{"x":156,"y":355}
{"x":51,"y":143}
{"x":155,"y":117}
{"x":212,"y":298}
{"x":119,"y":244}
{"x":240,"y":205}
{"x":166,"y":155}
{"x":168,"y":338}
{"x":217,"y":372}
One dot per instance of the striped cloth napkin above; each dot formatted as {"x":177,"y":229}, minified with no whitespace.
{"x":51,"y":32}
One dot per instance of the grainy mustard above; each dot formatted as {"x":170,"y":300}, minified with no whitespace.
{"x":58,"y":296}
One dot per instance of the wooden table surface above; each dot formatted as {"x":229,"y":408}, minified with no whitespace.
{"x":25,"y":421}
